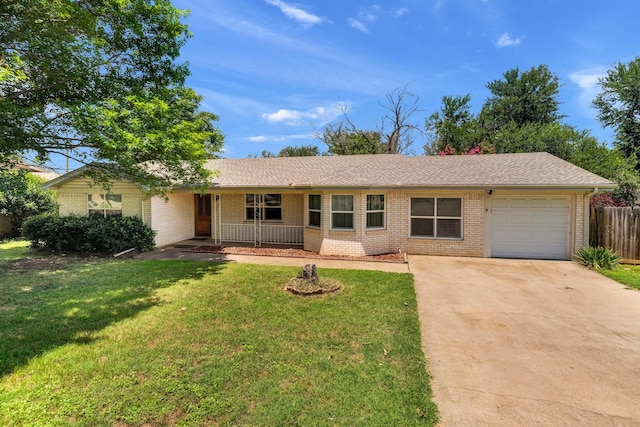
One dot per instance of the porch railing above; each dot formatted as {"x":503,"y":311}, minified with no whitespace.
{"x":273,"y":234}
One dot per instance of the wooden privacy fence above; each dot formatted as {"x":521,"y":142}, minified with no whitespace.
{"x":617,"y":229}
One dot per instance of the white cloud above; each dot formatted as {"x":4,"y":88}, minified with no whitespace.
{"x":259,"y":138}
{"x":506,"y":40}
{"x":401,"y":11}
{"x":297,"y":118}
{"x":587,"y":81}
{"x":300,"y":15}
{"x":358,"y":25}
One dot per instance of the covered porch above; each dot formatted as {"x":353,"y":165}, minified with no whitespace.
{"x":250,"y":219}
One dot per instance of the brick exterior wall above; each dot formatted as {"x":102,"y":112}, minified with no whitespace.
{"x":472,"y":242}
{"x":581,"y":223}
{"x":173,"y":219}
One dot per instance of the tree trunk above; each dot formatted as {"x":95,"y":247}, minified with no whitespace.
{"x":309,"y":272}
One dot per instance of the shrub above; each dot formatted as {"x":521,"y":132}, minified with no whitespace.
{"x":604,"y":200}
{"x":598,"y":258}
{"x":87,"y":234}
{"x":22,"y":196}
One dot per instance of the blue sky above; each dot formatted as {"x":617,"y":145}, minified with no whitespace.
{"x":275,"y":70}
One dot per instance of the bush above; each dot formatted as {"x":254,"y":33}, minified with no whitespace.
{"x":598,"y":258}
{"x":87,"y":234}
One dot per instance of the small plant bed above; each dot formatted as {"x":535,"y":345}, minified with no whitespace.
{"x":293,"y":253}
{"x":308,"y":283}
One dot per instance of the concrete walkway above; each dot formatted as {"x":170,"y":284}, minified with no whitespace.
{"x":171,"y":252}
{"x":528,"y":343}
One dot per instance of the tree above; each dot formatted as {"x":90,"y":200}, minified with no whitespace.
{"x":97,"y":80}
{"x":394,"y":134}
{"x":22,"y":196}
{"x":453,"y":125}
{"x":618,"y":106}
{"x":342,"y":140}
{"x":301,"y":151}
{"x":521,"y":98}
{"x":291,"y":151}
{"x":397,"y":127}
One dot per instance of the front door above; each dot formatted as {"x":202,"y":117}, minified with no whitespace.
{"x":202,"y":204}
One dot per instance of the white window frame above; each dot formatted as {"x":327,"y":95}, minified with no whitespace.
{"x":318,"y":211}
{"x":352,"y":212}
{"x":382,"y":211}
{"x":107,"y":199}
{"x":435,"y":217}
{"x":261,"y":206}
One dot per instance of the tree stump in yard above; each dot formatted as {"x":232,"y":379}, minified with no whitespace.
{"x":308,"y":283}
{"x":309,"y":272}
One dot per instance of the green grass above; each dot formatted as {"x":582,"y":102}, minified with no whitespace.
{"x":626,"y":274}
{"x":12,"y":250}
{"x":131,"y":342}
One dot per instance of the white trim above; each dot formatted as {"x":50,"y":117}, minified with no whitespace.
{"x":383,"y":211}
{"x":352,"y":212}
{"x":436,"y":217}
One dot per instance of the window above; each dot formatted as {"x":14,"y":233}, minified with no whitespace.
{"x":315,"y":207}
{"x":266,"y":207}
{"x":436,"y":217}
{"x":104,"y":205}
{"x":375,"y":211}
{"x":342,"y":212}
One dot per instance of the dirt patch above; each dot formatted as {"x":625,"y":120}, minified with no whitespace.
{"x":39,"y":263}
{"x":318,"y":286}
{"x":293,"y":253}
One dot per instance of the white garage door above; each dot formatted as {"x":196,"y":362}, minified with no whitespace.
{"x":530,"y":227}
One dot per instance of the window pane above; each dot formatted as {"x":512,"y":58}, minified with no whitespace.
{"x":449,"y":207}
{"x":113,"y":201}
{"x":375,"y":219}
{"x":272,"y":200}
{"x":251,"y":212}
{"x":113,"y":213}
{"x":342,"y":203}
{"x":375,"y":202}
{"x":273,"y":214}
{"x":315,"y":201}
{"x":314,"y":219}
{"x":422,"y":227}
{"x":95,"y":201}
{"x":342,"y":220}
{"x":96,"y":212}
{"x":250,"y":201}
{"x":422,"y":207}
{"x":449,"y":228}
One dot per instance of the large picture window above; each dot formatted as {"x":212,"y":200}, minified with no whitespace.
{"x":315,"y":210}
{"x":266,"y":207}
{"x":437,"y":217}
{"x":104,"y":205}
{"x":375,"y":211}
{"x":342,"y":212}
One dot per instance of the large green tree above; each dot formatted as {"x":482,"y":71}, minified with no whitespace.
{"x":522,"y":97}
{"x":99,"y":81}
{"x":22,"y":196}
{"x":618,"y":105}
{"x":454,"y":125}
{"x":345,"y":140}
{"x":522,"y":115}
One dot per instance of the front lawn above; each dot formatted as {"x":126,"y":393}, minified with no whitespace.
{"x":101,"y":342}
{"x":626,"y":274}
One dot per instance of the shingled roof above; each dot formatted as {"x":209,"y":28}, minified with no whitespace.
{"x":520,"y":170}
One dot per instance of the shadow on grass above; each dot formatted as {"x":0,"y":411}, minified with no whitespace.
{"x":44,"y":309}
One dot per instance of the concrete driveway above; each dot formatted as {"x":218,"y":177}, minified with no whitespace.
{"x":518,"y":342}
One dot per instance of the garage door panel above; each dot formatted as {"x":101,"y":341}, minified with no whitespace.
{"x":535,"y":227}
